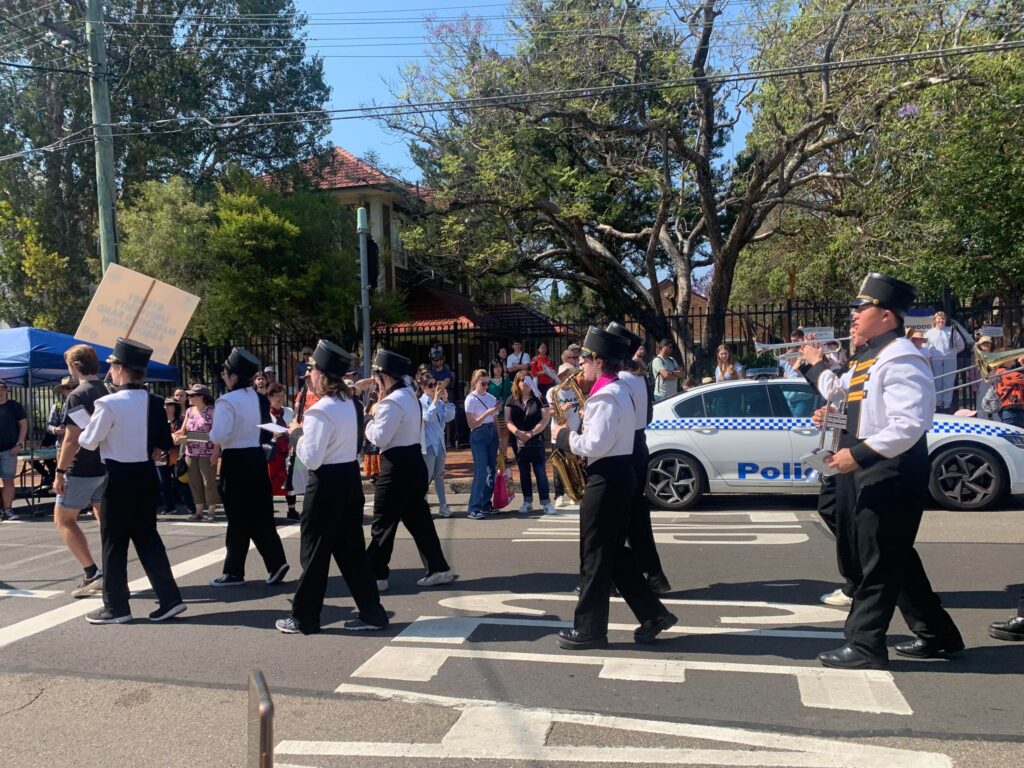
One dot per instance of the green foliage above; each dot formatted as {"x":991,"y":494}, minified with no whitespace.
{"x":261,"y":261}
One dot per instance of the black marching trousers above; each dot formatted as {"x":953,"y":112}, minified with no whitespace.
{"x":332,"y":526}
{"x":604,"y":557}
{"x":889,"y":505}
{"x":401,"y":496}
{"x":249,"y":505}
{"x":639,"y":533}
{"x":129,"y":515}
{"x":836,"y":502}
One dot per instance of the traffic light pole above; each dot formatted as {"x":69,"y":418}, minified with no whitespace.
{"x":104,"y":143}
{"x":364,"y":283}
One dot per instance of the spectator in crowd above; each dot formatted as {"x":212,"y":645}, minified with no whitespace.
{"x":439,"y":371}
{"x":181,"y":398}
{"x":542,"y":369}
{"x":501,"y":388}
{"x":571,"y":355}
{"x":945,"y":345}
{"x":566,"y":401}
{"x":171,"y":490}
{"x":790,"y":365}
{"x":13,"y":431}
{"x":666,"y":371}
{"x":54,"y":432}
{"x":277,"y":462}
{"x":503,"y":357}
{"x":726,"y":369}
{"x":518,"y":360}
{"x":200,"y":454}
{"x":303,"y":364}
{"x":260,"y":383}
{"x":981,"y":386}
{"x":436,"y":348}
{"x":437,"y":412}
{"x":526,"y":416}
{"x":482,"y":409}
{"x":1007,"y":394}
{"x":270,"y":375}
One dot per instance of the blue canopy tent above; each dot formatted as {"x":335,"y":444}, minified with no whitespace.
{"x":30,"y":357}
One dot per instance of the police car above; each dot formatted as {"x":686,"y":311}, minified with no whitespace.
{"x":748,"y":437}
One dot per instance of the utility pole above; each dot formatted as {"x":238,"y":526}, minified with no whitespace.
{"x":104,"y":143}
{"x":364,"y":286}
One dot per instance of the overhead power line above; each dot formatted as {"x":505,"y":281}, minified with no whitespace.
{"x":43,"y":69}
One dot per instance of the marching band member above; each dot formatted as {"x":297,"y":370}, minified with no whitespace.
{"x":607,"y":443}
{"x":133,"y":486}
{"x":332,"y":508}
{"x":891,"y":402}
{"x":245,"y":484}
{"x":394,"y":425}
{"x":640,"y":533}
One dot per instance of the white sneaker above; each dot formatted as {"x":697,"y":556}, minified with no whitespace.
{"x":837,"y":598}
{"x":561,"y":503}
{"x":440,"y":577}
{"x":526,"y":508}
{"x":549,"y":509}
{"x":382,"y":585}
{"x":444,"y":512}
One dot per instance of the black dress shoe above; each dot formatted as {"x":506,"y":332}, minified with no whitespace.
{"x":849,"y":657}
{"x":649,"y":630}
{"x":1012,"y":630}
{"x":929,"y":649}
{"x":573,"y":640}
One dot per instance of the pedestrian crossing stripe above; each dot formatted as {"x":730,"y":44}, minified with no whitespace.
{"x":767,"y":424}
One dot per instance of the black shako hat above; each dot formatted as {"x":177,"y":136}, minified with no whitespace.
{"x":131,"y":354}
{"x":605,"y":345}
{"x":330,"y":359}
{"x":243,"y":362}
{"x":393,"y":364}
{"x":622,"y":332}
{"x":886,"y":292}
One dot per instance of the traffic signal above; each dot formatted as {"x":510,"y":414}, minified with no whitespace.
{"x":372,"y":263}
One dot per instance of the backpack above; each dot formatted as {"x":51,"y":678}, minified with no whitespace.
{"x":1009,"y":388}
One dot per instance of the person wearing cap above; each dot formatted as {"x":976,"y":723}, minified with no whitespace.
{"x":201,"y":454}
{"x":945,"y":344}
{"x":639,"y":534}
{"x":270,"y":374}
{"x":244,"y":482}
{"x":606,"y":442}
{"x":571,"y":355}
{"x":332,"y":508}
{"x":982,"y":386}
{"x":395,"y":425}
{"x":565,"y":400}
{"x":883,"y":466}
{"x":80,"y":479}
{"x":133,"y":488}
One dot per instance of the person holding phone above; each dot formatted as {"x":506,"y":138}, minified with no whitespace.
{"x":437,"y":412}
{"x":481,"y":411}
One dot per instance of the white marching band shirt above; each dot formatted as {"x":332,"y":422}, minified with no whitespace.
{"x":236,"y":420}
{"x":899,"y":397}
{"x":329,"y":433}
{"x":397,"y":421}
{"x":608,"y":419}
{"x":637,"y":387}
{"x":119,"y":427}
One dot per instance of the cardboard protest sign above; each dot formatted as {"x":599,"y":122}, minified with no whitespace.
{"x":134,"y":306}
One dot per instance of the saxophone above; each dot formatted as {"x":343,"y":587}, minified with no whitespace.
{"x":571,"y":469}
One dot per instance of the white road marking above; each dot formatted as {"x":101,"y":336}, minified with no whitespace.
{"x":492,"y":730}
{"x":456,"y":630}
{"x":79,"y":608}
{"x":754,"y":517}
{"x":215,"y":524}
{"x":792,"y":613}
{"x":50,"y":553}
{"x":871,"y":691}
{"x":42,"y":593}
{"x":686,"y":537}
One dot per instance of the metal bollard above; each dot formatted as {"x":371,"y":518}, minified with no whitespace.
{"x":261,"y":723}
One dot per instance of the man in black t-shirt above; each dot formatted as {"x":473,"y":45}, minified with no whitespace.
{"x":13,"y":429}
{"x":81,"y":477}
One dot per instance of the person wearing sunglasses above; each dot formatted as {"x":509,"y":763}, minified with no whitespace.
{"x":437,"y":412}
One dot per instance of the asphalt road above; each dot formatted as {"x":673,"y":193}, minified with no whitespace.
{"x":470,"y":674}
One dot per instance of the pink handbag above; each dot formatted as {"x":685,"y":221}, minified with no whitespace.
{"x":503,"y":494}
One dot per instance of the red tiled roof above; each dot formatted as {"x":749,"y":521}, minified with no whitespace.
{"x":340,"y":169}
{"x":431,"y":308}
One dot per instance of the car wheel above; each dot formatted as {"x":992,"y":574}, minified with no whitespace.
{"x":674,"y":481}
{"x":966,"y":477}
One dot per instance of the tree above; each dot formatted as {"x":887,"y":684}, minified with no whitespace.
{"x":621,"y":182}
{"x":171,"y":62}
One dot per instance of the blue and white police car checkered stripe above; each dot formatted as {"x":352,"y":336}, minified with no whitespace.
{"x":765,"y":424}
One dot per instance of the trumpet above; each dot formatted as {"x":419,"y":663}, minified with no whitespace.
{"x":791,"y":350}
